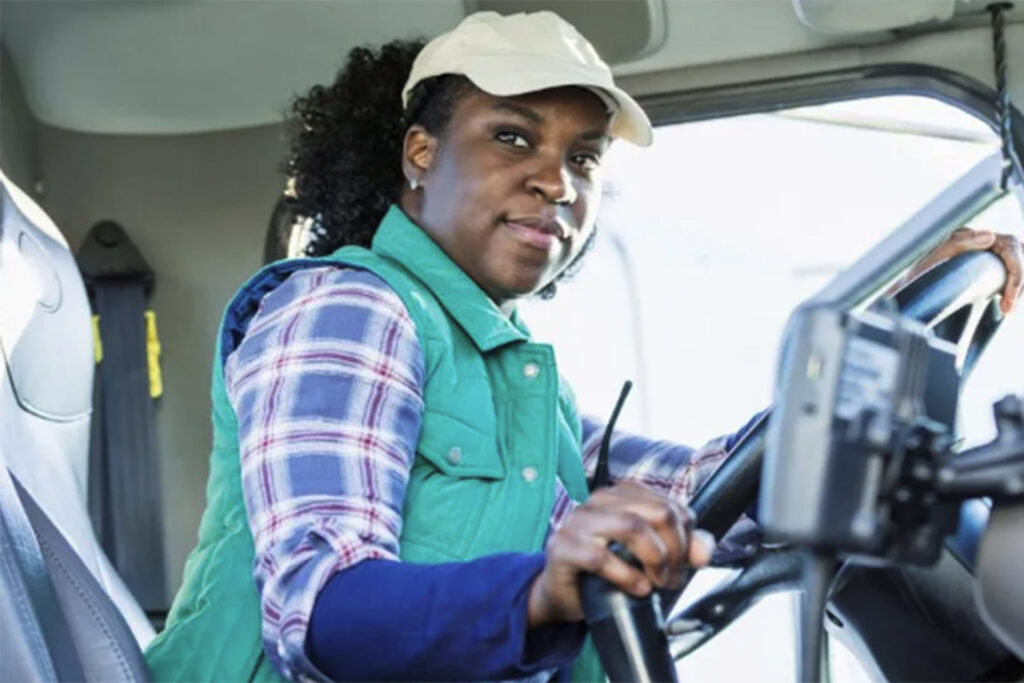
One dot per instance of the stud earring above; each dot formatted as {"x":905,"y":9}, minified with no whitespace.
{"x":414,"y":184}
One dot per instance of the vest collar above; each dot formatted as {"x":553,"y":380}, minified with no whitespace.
{"x":401,"y":240}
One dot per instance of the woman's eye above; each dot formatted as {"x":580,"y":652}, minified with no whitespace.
{"x":512,"y":138}
{"x":588,"y":161}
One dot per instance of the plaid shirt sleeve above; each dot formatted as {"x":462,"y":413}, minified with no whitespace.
{"x":673,"y":469}
{"x":326,"y":386}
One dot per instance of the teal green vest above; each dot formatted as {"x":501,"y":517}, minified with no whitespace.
{"x":498,"y":428}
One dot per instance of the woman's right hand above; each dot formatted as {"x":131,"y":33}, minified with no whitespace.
{"x":657,"y":530}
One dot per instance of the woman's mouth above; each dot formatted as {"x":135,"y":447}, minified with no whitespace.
{"x":537,"y":232}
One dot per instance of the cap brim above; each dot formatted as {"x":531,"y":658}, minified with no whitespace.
{"x":630,"y":122}
{"x":498,"y":77}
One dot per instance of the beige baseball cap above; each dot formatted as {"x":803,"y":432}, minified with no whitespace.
{"x":526,"y":52}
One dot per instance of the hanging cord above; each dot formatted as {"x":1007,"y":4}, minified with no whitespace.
{"x":1003,"y":112}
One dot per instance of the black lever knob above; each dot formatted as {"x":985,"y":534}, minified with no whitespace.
{"x":627,"y":631}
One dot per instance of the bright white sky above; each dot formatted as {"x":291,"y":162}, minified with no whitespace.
{"x":725,"y":226}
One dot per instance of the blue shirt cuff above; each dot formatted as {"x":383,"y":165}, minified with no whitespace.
{"x":549,"y":646}
{"x":458,"y":621}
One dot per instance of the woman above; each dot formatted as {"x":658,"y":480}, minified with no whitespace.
{"x":384,"y":402}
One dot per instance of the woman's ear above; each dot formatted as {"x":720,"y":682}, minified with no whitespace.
{"x":418,"y":151}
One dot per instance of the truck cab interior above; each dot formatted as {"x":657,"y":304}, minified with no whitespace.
{"x":142,"y":148}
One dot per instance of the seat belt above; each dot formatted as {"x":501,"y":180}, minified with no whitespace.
{"x":124,"y":475}
{"x":30,"y":565}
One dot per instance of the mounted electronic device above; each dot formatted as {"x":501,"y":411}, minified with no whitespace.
{"x":859,"y":463}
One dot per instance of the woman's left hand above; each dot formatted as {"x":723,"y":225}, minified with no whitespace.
{"x":1006,"y":247}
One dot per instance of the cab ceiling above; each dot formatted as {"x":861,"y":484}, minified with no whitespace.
{"x":162,"y":67}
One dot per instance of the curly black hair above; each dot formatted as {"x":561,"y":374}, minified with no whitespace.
{"x":346,"y":141}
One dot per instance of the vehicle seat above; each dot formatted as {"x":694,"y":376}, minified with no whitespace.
{"x":88,"y":640}
{"x":46,"y":396}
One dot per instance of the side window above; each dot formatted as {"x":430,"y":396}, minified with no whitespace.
{"x":708,"y":240}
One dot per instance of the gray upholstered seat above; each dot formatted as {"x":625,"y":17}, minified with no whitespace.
{"x":45,"y":406}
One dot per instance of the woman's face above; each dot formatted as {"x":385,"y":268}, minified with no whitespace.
{"x":511,"y":191}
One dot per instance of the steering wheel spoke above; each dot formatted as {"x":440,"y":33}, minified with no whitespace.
{"x":771,"y":570}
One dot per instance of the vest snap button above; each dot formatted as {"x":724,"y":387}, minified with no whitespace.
{"x":530,"y":370}
{"x":454,"y":455}
{"x":529,"y":473}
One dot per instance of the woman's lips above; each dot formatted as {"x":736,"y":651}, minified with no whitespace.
{"x":534,"y":235}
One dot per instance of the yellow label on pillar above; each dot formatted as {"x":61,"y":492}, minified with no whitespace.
{"x":97,"y":343}
{"x":156,"y":382}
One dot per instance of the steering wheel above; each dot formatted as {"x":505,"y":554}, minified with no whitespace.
{"x":956,"y":299}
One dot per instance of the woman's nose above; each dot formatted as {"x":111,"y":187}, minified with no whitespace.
{"x":553,"y":182}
